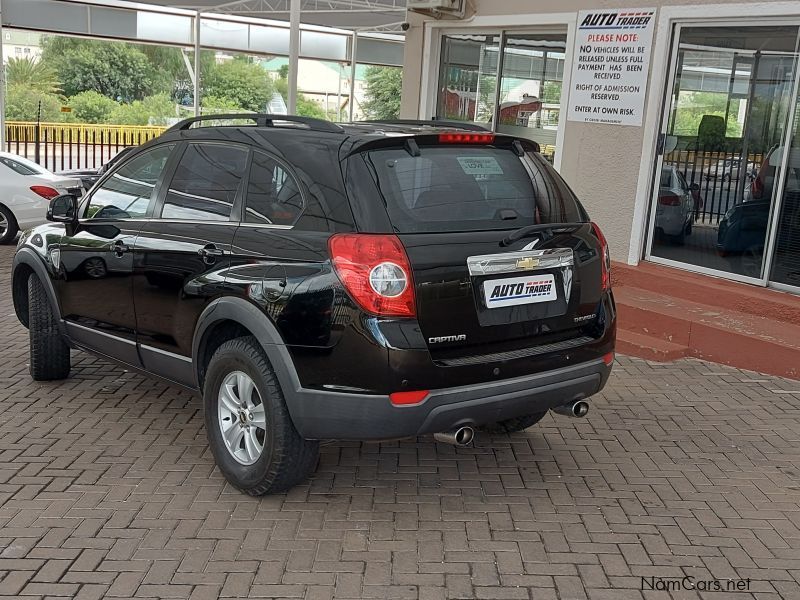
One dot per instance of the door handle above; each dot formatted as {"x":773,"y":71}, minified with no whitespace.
{"x":120,"y":248}
{"x":210,"y":253}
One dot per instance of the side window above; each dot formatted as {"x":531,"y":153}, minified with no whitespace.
{"x":126,"y":194}
{"x":205,"y":183}
{"x":273,"y":195}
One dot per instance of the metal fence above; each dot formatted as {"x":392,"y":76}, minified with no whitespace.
{"x":721,"y":180}
{"x":59,"y":146}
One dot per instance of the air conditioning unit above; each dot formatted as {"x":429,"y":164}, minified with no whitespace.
{"x":438,"y":9}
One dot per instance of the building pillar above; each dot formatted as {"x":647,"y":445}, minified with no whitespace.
{"x":197,"y":64}
{"x":294,"y":54}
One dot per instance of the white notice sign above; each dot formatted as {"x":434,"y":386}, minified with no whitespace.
{"x":609,"y":72}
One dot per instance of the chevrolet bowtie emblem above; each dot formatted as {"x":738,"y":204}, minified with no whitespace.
{"x":527,"y":263}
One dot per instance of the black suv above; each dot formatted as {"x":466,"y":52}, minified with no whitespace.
{"x":314,"y":281}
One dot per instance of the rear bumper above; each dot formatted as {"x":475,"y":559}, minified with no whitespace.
{"x":346,"y":416}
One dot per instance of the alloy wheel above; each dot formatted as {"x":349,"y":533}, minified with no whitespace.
{"x":242,"y":418}
{"x":3,"y":224}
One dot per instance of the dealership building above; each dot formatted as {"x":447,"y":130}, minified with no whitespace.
{"x":699,"y":100}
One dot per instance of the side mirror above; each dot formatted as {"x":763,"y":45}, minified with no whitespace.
{"x":695,"y":187}
{"x":63,"y":209}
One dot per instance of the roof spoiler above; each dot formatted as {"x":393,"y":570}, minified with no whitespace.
{"x":466,"y":126}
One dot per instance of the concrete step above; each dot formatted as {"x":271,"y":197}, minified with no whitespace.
{"x":758,"y":342}
{"x":704,"y":289}
{"x":649,"y":347}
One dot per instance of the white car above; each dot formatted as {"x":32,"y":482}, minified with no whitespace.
{"x":25,"y":193}
{"x":675,"y":208}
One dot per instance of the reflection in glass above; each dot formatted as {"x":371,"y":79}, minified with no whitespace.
{"x":786,"y":260}
{"x":530,"y":87}
{"x":728,"y":112}
{"x":205,"y":183}
{"x":468,"y":78}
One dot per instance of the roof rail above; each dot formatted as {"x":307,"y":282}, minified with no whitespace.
{"x":261,"y":120}
{"x":432,"y":123}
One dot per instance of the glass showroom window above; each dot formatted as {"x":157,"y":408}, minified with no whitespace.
{"x":527,"y":101}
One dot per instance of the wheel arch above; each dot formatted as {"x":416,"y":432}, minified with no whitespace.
{"x":27,"y":263}
{"x":230,"y":317}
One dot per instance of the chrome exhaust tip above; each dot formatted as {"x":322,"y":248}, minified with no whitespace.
{"x":461,"y":436}
{"x":577,"y":409}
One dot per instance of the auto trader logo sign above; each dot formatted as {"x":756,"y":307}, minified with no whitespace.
{"x":611,"y":62}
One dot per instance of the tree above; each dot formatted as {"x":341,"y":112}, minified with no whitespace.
{"x":551,"y":92}
{"x":215,"y":104}
{"x":242,"y":83}
{"x":384,"y":86}
{"x":305,"y":107}
{"x":117,"y":70}
{"x":36,"y":75}
{"x":22,"y":104}
{"x":154,"y":110}
{"x":92,"y":107}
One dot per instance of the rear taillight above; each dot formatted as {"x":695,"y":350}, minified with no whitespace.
{"x":466,"y":138}
{"x":605,"y":258}
{"x":45,"y":191}
{"x":375,"y":272}
{"x":669,"y":200}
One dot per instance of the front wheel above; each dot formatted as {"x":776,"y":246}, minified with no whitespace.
{"x":49,"y":352}
{"x":250,"y":431}
{"x":513,"y":425}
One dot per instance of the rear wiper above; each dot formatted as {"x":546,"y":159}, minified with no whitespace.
{"x":546,"y":228}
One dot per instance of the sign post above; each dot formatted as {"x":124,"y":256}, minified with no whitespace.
{"x":612,"y":60}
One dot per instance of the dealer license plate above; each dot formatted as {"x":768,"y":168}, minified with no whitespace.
{"x":512,"y":291}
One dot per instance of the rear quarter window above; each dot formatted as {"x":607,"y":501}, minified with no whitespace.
{"x":470,"y":188}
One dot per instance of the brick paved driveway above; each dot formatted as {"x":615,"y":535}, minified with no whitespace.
{"x":107,"y":489}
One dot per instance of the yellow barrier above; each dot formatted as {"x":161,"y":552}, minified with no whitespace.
{"x":82,"y":133}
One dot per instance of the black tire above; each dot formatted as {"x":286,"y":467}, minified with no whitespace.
{"x":286,"y":458}
{"x":8,"y":233}
{"x":678,"y":240}
{"x":513,"y":425}
{"x":49,"y":352}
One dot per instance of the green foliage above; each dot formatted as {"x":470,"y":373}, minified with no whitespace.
{"x":36,"y":75}
{"x":309,"y":108}
{"x":243,"y":84}
{"x":91,"y":107}
{"x":22,"y":103}
{"x":215,"y":104}
{"x":383,"y":92}
{"x":551,"y":92}
{"x":693,"y":106}
{"x":154,"y":110}
{"x":305,"y":107}
{"x":117,"y":70}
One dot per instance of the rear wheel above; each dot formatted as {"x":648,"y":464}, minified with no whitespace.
{"x":513,"y":425}
{"x":49,"y":352}
{"x":251,"y":434}
{"x":8,"y":226}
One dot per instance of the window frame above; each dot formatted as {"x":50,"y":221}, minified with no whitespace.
{"x":172,"y":167}
{"x":246,"y":190}
{"x":86,"y":201}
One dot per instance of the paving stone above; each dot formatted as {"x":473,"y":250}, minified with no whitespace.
{"x":108,"y":490}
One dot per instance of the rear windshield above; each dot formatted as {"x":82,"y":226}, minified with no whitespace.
{"x":470,"y":188}
{"x":20,"y":167}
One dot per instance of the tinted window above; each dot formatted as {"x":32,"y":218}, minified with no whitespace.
{"x":205,"y":183}
{"x":666,"y":178}
{"x":127,"y":192}
{"x":19,"y":167}
{"x":273,"y":195}
{"x":471,"y":188}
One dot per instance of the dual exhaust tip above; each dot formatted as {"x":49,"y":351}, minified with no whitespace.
{"x":463,"y":436}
